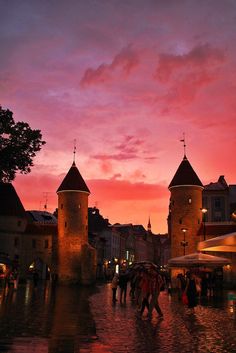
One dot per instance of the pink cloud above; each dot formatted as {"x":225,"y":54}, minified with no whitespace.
{"x":185,"y":88}
{"x":129,"y":148}
{"x":116,"y":157}
{"x":200,"y":57}
{"x":123,"y":64}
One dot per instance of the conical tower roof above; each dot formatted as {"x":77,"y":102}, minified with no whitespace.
{"x":73,"y":181}
{"x":10,"y":204}
{"x":185,"y":175}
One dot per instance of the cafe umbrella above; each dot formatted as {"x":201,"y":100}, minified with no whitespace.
{"x":198,"y":259}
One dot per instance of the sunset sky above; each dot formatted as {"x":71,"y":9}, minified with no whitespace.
{"x":125,"y":78}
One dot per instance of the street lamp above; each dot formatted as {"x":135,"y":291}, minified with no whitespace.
{"x":184,"y":243}
{"x":204,"y":211}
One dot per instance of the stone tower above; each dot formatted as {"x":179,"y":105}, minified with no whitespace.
{"x":76,"y":258}
{"x":185,"y":214}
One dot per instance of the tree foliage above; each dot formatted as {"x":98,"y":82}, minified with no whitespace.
{"x":18,"y":146}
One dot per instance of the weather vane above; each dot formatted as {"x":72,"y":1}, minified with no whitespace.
{"x":183,"y":140}
{"x":74,"y":150}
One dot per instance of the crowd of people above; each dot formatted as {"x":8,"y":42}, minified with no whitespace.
{"x":197,"y":285}
{"x":145,"y":287}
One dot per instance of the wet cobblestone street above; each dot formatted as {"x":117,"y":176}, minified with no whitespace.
{"x":210,"y":327}
{"x":72,"y":320}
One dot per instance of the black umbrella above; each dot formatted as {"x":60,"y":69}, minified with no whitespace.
{"x":144,"y":266}
{"x":5,"y":260}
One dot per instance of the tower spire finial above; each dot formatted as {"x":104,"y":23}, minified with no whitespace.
{"x":74,"y":152}
{"x":149,"y":227}
{"x":184,"y":144}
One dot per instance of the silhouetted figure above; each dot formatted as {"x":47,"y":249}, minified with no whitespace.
{"x":114,"y":285}
{"x":145,"y":291}
{"x":123,"y":281}
{"x":181,"y":284}
{"x":156,"y":283}
{"x":204,"y":285}
{"x":35,"y":279}
{"x":191,"y":290}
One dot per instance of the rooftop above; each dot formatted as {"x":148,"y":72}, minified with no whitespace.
{"x":73,"y":181}
{"x":11,"y":204}
{"x":185,"y":175}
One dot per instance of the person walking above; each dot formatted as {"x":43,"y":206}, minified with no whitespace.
{"x":191,"y":290}
{"x":138,"y":290}
{"x":15,"y":279}
{"x":123,"y":282}
{"x":181,"y":284}
{"x":145,"y":291}
{"x":114,"y":285}
{"x":156,"y":282}
{"x":35,"y":279}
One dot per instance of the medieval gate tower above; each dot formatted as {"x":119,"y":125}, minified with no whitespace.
{"x":185,"y":215}
{"x":76,"y":258}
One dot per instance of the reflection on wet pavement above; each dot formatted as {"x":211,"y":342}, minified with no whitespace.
{"x":210,"y":327}
{"x":45,"y":319}
{"x":73,"y":319}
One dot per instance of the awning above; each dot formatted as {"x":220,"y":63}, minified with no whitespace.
{"x":197,"y":260}
{"x":224,"y":243}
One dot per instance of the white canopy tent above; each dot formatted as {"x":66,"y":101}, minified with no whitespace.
{"x":223,"y":243}
{"x":198,"y":259}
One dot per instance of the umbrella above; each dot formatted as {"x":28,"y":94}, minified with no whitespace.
{"x":143,"y":266}
{"x":198,"y":259}
{"x":225,"y":243}
{"x":5,"y":260}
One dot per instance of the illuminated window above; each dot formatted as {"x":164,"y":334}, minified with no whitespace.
{"x":79,"y":205}
{"x":189,"y":200}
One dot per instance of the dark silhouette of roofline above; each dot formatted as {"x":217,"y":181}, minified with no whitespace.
{"x":185,"y":175}
{"x":73,"y":181}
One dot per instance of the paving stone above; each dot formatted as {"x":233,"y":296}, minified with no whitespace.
{"x":84,"y":320}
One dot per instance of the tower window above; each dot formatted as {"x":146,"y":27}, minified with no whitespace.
{"x":61,"y":206}
{"x":79,"y":205}
{"x":65,"y":224}
{"x":189,"y":200}
{"x":180,"y":221}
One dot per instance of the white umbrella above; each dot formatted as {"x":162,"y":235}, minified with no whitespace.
{"x":225,"y":243}
{"x":198,"y":259}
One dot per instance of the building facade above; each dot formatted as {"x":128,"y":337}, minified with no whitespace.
{"x":33,"y":240}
